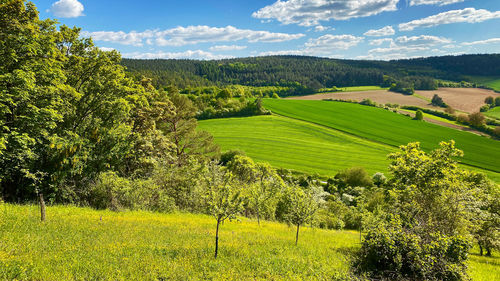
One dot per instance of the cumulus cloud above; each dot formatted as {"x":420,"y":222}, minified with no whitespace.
{"x":378,"y":42}
{"x":469,"y":15}
{"x":180,"y":36}
{"x":422,"y":40}
{"x":67,"y":9}
{"x":434,"y":2}
{"x":106,"y":49}
{"x":189,"y":54}
{"x":482,"y":42}
{"x":311,"y":12}
{"x":326,"y":43}
{"x":384,"y":31}
{"x":219,"y":48}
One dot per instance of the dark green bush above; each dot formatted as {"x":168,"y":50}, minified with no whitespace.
{"x":419,"y":115}
{"x":392,"y":252}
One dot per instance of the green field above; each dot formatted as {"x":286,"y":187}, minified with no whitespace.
{"x":298,"y":145}
{"x":389,"y":128}
{"x":492,"y":82}
{"x":74,"y":244}
{"x":494,"y":112}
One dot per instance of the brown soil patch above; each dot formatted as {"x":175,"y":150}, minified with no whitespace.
{"x":464,"y":99}
{"x":378,"y":96}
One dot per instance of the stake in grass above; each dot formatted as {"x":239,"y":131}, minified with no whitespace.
{"x":222,"y":196}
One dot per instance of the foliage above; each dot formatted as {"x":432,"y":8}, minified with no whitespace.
{"x":489,"y":100}
{"x":379,"y":179}
{"x":355,"y":176}
{"x":438,"y":101}
{"x":432,"y":205}
{"x":419,"y":115}
{"x":476,"y":119}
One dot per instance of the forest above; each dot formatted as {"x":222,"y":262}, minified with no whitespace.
{"x":77,"y":129}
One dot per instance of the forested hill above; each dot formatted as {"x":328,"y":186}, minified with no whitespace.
{"x":309,"y":72}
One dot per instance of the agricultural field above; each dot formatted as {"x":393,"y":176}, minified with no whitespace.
{"x":389,"y":128}
{"x":297,"y":145}
{"x":463,"y":99}
{"x":494,"y":112}
{"x":492,"y":82}
{"x":378,"y":96}
{"x":85,"y":244}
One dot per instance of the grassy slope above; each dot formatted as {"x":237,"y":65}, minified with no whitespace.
{"x":389,"y":128}
{"x":492,"y":82}
{"x":361,"y":88}
{"x":73,"y":244}
{"x":494,"y":112}
{"x":298,"y":145}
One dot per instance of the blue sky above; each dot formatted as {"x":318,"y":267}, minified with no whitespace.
{"x":350,"y":29}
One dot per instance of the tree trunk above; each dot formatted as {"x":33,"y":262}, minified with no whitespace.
{"x":480,"y":250}
{"x":297,"y":235}
{"x":258,"y":216}
{"x":217,"y":238}
{"x":488,"y":251}
{"x":42,"y":207}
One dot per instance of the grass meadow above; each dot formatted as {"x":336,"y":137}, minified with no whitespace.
{"x":75,"y":244}
{"x":492,"y":82}
{"x":297,"y":145}
{"x":382,"y":126}
{"x":494,"y":112}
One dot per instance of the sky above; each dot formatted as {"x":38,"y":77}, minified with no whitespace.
{"x":347,"y":29}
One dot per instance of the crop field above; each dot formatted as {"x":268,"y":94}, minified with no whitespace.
{"x":378,"y":96}
{"x":298,"y":145}
{"x":389,"y":128}
{"x":494,"y":112}
{"x":464,"y":99}
{"x":75,"y":244}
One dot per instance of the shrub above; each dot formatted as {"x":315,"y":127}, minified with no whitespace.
{"x":449,"y":110}
{"x":438,"y":101}
{"x":368,"y":102}
{"x":379,"y":179}
{"x":275,"y":96}
{"x":497,"y":101}
{"x":389,"y":251}
{"x":419,"y":115}
{"x":489,"y":100}
{"x":462,"y":118}
{"x":484,"y":108}
{"x":356,"y":176}
{"x":477,"y":119}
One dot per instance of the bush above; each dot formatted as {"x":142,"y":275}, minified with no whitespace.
{"x":462,"y":118}
{"x":275,"y":96}
{"x":484,"y":108}
{"x":489,"y":100}
{"x":477,"y":119}
{"x":449,"y":110}
{"x":368,"y":102}
{"x":419,"y":115}
{"x":438,"y":101}
{"x":379,"y":179}
{"x":117,"y":193}
{"x":356,"y":176}
{"x":497,"y":101}
{"x":389,"y":251}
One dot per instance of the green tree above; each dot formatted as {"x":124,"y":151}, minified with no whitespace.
{"x":222,"y":196}
{"x":489,"y":100}
{"x":477,"y":119}
{"x":303,"y":205}
{"x":419,"y":115}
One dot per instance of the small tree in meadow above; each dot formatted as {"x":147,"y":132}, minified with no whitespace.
{"x":222,"y":197}
{"x":489,"y":100}
{"x":477,"y":119}
{"x":303,"y":205}
{"x":419,"y":115}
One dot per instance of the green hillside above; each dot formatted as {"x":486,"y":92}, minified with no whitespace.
{"x":389,"y":128}
{"x":492,"y":82}
{"x":74,"y":244}
{"x":297,"y":145}
{"x":494,"y":112}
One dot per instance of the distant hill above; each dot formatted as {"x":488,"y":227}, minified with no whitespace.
{"x":309,"y":72}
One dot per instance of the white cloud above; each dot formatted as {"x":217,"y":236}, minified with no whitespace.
{"x":180,"y":36}
{"x":422,"y":40}
{"x":326,"y":43}
{"x":384,"y":31}
{"x":469,"y":15}
{"x":321,"y":28}
{"x":311,"y":12}
{"x":434,"y":2}
{"x":325,"y":46}
{"x":106,"y":49}
{"x":67,"y":9}
{"x":482,"y":42}
{"x":378,"y":42}
{"x":398,"y":50}
{"x":219,"y":48}
{"x":189,"y":54}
